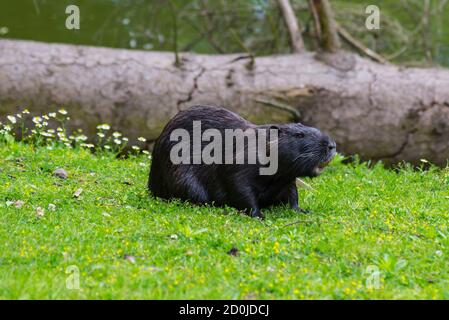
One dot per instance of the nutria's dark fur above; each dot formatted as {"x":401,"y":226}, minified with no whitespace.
{"x":303,"y":151}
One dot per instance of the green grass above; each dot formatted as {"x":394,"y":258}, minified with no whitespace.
{"x":364,"y":217}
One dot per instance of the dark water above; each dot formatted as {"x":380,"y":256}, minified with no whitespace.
{"x":149,"y":24}
{"x":139,"y":24}
{"x":111,"y":23}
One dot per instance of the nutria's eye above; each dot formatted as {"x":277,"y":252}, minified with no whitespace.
{"x":300,"y":134}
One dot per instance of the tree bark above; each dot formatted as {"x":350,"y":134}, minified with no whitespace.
{"x":377,"y":111}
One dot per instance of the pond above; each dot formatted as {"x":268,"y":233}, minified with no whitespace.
{"x":218,"y":26}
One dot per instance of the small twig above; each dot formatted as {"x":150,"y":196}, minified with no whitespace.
{"x":240,"y":58}
{"x":291,"y":22}
{"x":426,"y":37}
{"x":396,"y":54}
{"x":242,"y":45}
{"x":281,"y":106}
{"x":316,"y":20}
{"x":291,"y":224}
{"x":175,"y":32}
{"x":357,"y":44}
{"x":208,"y":35}
{"x":302,"y":184}
{"x":192,"y":43}
{"x":297,"y":222}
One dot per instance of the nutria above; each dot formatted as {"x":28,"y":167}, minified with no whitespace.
{"x":301,"y":152}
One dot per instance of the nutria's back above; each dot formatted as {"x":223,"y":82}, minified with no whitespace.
{"x":164,"y":176}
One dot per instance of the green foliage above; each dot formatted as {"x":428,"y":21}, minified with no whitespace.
{"x":409,"y":34}
{"x":220,"y":26}
{"x":128,"y":245}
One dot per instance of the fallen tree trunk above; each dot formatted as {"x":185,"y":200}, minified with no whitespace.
{"x":377,"y":111}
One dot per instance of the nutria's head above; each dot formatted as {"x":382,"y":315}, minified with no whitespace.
{"x":304,"y":151}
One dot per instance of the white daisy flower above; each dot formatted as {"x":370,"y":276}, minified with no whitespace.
{"x":81,"y":138}
{"x":12,"y":119}
{"x":103,"y":126}
{"x":37,"y":120}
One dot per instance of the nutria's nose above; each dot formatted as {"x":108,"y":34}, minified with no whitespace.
{"x":328,"y":143}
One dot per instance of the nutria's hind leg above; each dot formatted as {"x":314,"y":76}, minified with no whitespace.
{"x":195,"y":191}
{"x":243,"y":197}
{"x":256,"y":213}
{"x":252,"y":208}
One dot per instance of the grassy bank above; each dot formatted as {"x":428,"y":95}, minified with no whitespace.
{"x":373,"y":233}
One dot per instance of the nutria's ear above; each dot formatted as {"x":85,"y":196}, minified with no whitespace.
{"x":280,"y":132}
{"x":280,"y":129}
